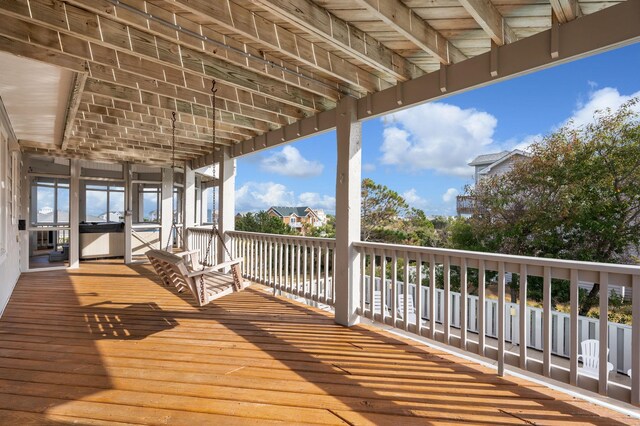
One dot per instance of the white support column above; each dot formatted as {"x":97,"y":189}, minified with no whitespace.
{"x":25,"y":212}
{"x":74,"y":215}
{"x":226,"y":200}
{"x":166,"y":218}
{"x":189,"y":202}
{"x":348,"y":187}
{"x":128,"y":213}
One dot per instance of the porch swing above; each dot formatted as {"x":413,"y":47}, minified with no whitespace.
{"x":205,"y":281}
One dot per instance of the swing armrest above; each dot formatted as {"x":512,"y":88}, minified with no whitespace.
{"x":187,"y":253}
{"x":214,"y":268}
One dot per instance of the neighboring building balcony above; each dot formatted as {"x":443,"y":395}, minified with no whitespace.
{"x":465,"y":204}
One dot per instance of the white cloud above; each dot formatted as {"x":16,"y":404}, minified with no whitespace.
{"x":289,"y":162}
{"x":437,"y":136}
{"x":414,"y":200}
{"x":315,"y":200}
{"x":369,"y":167}
{"x":254,"y":196}
{"x":525,"y":143}
{"x":450,"y":195}
{"x":600,"y":100}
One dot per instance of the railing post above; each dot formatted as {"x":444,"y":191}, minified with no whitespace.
{"x":226,"y":200}
{"x":166,"y":209}
{"x":348,"y":187}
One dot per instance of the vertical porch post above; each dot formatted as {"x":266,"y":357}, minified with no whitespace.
{"x":166,"y":215}
{"x":226,"y":200}
{"x":348,"y":187}
{"x":189,"y":202}
{"x":128,"y":213}
{"x":74,"y":215}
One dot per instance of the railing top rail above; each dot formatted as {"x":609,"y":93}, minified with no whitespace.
{"x":282,"y":237}
{"x":497,"y":257}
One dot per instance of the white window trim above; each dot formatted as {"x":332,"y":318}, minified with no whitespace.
{"x":4,"y":216}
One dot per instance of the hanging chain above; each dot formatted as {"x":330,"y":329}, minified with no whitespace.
{"x":213,"y":153}
{"x":174,"y":228}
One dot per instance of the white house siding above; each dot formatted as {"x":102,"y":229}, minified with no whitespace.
{"x":9,"y":257}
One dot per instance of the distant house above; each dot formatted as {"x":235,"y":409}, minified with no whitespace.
{"x":496,"y":164}
{"x":296,"y":217}
{"x":488,"y":165}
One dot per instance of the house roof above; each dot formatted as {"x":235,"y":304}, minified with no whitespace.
{"x":283,"y":211}
{"x":486,"y":159}
{"x":503,"y":159}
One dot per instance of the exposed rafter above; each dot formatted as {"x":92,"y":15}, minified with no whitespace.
{"x":247,"y":24}
{"x":74,"y":102}
{"x":312,"y":18}
{"x":398,"y":16}
{"x":565,"y":10}
{"x":490,"y":19}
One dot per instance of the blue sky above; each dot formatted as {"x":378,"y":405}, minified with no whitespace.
{"x":422,"y":152}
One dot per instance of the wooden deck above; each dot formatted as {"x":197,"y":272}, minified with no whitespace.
{"x":108,"y":344}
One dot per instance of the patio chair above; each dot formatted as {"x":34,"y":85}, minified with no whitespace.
{"x":590,"y":357}
{"x":411,"y":310}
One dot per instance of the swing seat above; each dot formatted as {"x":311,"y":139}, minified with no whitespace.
{"x":206,"y":284}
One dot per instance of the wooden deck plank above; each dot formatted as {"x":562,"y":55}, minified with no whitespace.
{"x":109,"y":343}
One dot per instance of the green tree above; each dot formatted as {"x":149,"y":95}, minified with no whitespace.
{"x":577,"y":197}
{"x":262,"y":222}
{"x":381,"y":209}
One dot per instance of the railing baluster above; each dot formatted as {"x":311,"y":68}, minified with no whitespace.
{"x":573,"y":357}
{"x":325,"y":287}
{"x":482,"y":317}
{"x":447,"y":300}
{"x":546,"y":312}
{"x":394,"y":288}
{"x":524,"y":337}
{"x":405,"y":288}
{"x":635,"y":340}
{"x":286,"y":266}
{"x":603,"y":380}
{"x":432,"y":296}
{"x":372,"y":284}
{"x":419,"y":294}
{"x":298,"y":248}
{"x":363,"y":284}
{"x":318,"y":272}
{"x":383,"y":286}
{"x":333,"y":276}
{"x":463,"y":303}
{"x":305,"y":270}
{"x":501,"y":319}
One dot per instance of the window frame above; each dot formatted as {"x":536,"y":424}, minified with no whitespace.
{"x":109,"y":188}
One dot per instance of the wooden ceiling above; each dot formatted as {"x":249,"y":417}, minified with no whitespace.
{"x":275,"y":61}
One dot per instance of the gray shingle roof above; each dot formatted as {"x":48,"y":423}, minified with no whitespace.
{"x":488,"y":158}
{"x":288,"y":211}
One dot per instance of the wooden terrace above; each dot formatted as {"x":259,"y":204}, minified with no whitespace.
{"x":107,"y":343}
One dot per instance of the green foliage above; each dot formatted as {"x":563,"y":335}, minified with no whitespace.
{"x":262,"y":222}
{"x":325,"y":231}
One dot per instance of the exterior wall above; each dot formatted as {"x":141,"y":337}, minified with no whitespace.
{"x":9,"y":202}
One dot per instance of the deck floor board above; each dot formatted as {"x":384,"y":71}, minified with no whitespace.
{"x":107,"y":343}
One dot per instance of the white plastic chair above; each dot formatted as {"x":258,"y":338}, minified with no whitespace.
{"x":411,"y":310}
{"x":629,"y":373}
{"x":590,"y":357}
{"x":377,"y":302}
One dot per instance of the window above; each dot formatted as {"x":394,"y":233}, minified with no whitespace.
{"x":4,"y":222}
{"x":15,"y":185}
{"x":292,"y":219}
{"x":150,"y":202}
{"x":177,"y":204}
{"x":104,"y":203}
{"x":208,"y":201}
{"x":49,"y":201}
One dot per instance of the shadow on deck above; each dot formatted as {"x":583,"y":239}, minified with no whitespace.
{"x":109,"y":343}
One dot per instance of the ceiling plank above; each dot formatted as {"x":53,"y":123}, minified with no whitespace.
{"x":490,"y":19}
{"x":72,"y":108}
{"x":401,"y":18}
{"x":312,"y":18}
{"x":565,"y":10}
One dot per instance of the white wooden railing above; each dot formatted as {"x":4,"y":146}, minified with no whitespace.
{"x":301,"y":266}
{"x":455,"y":330}
{"x":201,"y":238}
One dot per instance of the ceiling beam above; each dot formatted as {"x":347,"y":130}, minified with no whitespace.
{"x":308,"y":16}
{"x":491,"y":20}
{"x":239,"y":20}
{"x":402,"y":19}
{"x":79,"y":80}
{"x":565,"y":10}
{"x":606,"y":29}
